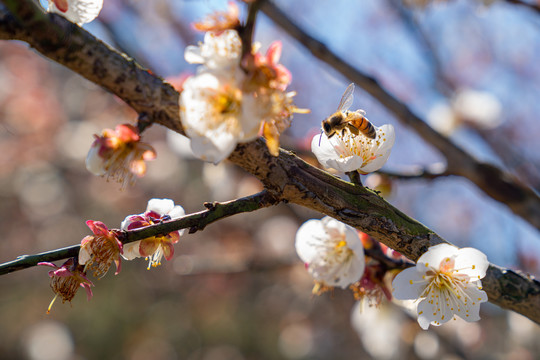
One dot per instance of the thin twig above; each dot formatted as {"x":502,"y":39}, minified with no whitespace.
{"x":413,"y":173}
{"x":531,"y":6}
{"x":194,"y":222}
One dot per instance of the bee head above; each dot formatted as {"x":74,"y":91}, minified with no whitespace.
{"x":327,"y":127}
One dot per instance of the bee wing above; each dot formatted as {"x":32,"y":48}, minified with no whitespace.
{"x":347,"y":98}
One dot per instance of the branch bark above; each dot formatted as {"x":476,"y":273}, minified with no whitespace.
{"x":285,"y":177}
{"x":195,"y":222}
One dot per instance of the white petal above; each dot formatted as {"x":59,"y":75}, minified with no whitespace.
{"x":375,"y":164}
{"x":79,"y":11}
{"x":425,"y":314}
{"x":471,"y":312}
{"x":160,"y":206}
{"x":436,"y":254}
{"x":177,"y":212}
{"x":94,"y":162}
{"x":213,"y":151}
{"x":131,"y":250}
{"x":472,"y":262}
{"x":193,"y":55}
{"x":328,"y":156}
{"x":409,"y":284}
{"x":386,"y":137}
{"x":307,"y":240}
{"x":84,"y":255}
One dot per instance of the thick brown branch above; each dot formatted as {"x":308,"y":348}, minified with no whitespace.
{"x":494,"y":182}
{"x":533,"y":7}
{"x":286,"y":177}
{"x":194,"y":222}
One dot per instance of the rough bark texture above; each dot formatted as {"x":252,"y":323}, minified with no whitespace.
{"x":286,"y":177}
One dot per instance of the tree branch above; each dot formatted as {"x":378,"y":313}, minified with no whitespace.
{"x":285,"y":177}
{"x":533,"y":7}
{"x":496,"y":183}
{"x":195,"y":222}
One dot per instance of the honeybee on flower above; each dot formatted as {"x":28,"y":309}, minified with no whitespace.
{"x":349,"y":142}
{"x":353,"y":121}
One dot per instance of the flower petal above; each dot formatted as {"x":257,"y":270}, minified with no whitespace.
{"x":177,"y":212}
{"x":214,"y":150}
{"x":168,"y":250}
{"x":98,"y":228}
{"x":436,"y":254}
{"x":305,"y":236}
{"x":409,"y":284}
{"x":160,"y":206}
{"x":472,"y":262}
{"x":148,"y":246}
{"x":132,"y":250}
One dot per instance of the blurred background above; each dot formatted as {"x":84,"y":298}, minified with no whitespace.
{"x":236,"y":290}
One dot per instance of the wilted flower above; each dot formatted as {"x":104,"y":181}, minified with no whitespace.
{"x":153,"y":248}
{"x":372,"y":286}
{"x":119,"y":154}
{"x":332,"y":252}
{"x":220,"y":20}
{"x":269,"y":79}
{"x":100,"y":250}
{"x":268,"y":71}
{"x":446,"y":281}
{"x":66,"y":279}
{"x":77,"y":11}
{"x":349,"y":152}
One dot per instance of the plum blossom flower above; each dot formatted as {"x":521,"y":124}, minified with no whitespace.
{"x":153,"y":248}
{"x":217,"y":116}
{"x":100,"y":250}
{"x":348,"y":152}
{"x":446,"y":282}
{"x":66,"y":280}
{"x":230,"y":100}
{"x":332,"y":252}
{"x":78,"y":11}
{"x":119,"y":154}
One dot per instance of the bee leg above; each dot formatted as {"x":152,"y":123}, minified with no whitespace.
{"x":355,"y":177}
{"x":353,"y":129}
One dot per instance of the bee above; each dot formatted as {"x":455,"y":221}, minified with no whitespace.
{"x":353,"y":121}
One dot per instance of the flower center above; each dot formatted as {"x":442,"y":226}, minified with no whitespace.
{"x":359,"y":145}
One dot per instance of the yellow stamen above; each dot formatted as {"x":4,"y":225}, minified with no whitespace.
{"x":51,"y":304}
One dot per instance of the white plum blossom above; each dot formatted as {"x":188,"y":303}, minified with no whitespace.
{"x":332,"y":251}
{"x":446,"y":282}
{"x":153,"y":248}
{"x":218,"y":51}
{"x":348,"y":152}
{"x":217,"y":115}
{"x":77,"y":11}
